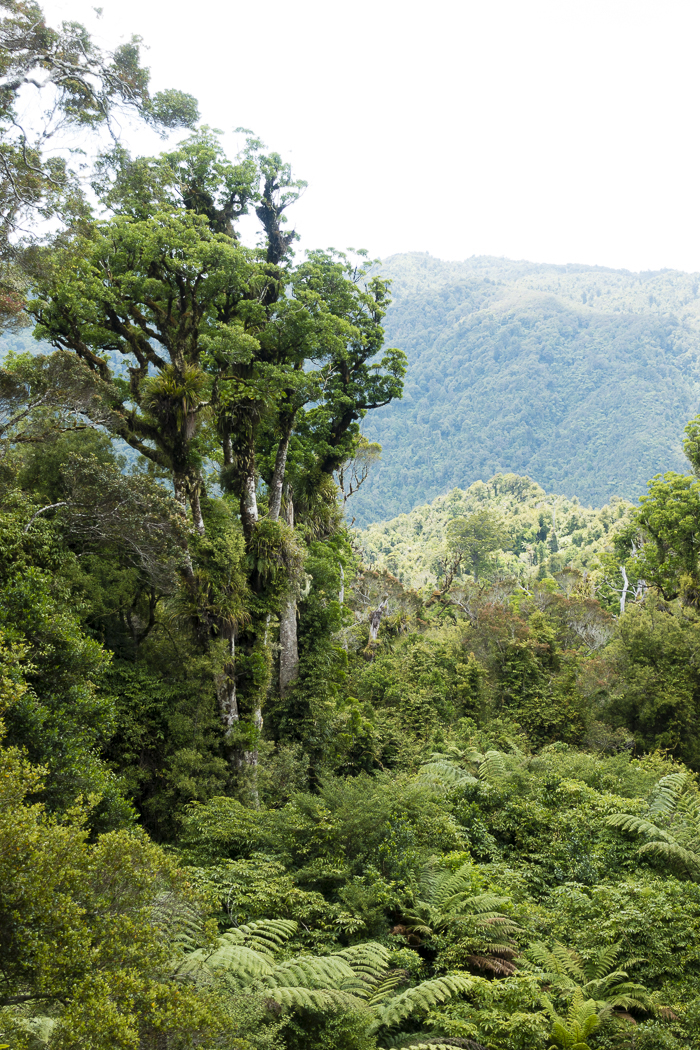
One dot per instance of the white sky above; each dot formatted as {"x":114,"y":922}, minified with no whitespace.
{"x":551,"y":130}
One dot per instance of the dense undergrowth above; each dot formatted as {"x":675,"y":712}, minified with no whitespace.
{"x":444,"y":845}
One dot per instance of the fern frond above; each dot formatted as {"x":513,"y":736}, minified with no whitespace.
{"x":313,"y":971}
{"x":430,"y":877}
{"x":493,"y":963}
{"x":540,"y":955}
{"x":368,"y":961}
{"x":414,"y":925}
{"x":548,"y":1006}
{"x":444,"y":773}
{"x":265,"y":935}
{"x":637,"y":825}
{"x":181,"y":921}
{"x":674,"y":853}
{"x":600,"y":966}
{"x":237,"y":961}
{"x":567,"y":962}
{"x":668,"y":792}
{"x":492,"y":767}
{"x":627,"y":1002}
{"x":392,"y":981}
{"x":486,"y":902}
{"x":451,"y":887}
{"x":300,"y":998}
{"x":504,"y":950}
{"x":440,"y":1044}
{"x":421,"y":997}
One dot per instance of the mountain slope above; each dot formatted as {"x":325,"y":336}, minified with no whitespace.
{"x":546,"y":532}
{"x":580,"y":377}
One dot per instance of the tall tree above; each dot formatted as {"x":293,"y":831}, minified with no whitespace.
{"x":205,"y":350}
{"x":79,"y":86}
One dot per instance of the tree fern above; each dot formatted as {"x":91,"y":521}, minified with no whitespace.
{"x":445,"y":899}
{"x":240,"y":964}
{"x":419,"y":999}
{"x":421,"y":1041}
{"x":596,"y":980}
{"x":320,"y":973}
{"x":672,"y":828}
{"x":368,"y":961}
{"x":571,"y":1031}
{"x":179,"y":920}
{"x":491,"y":767}
{"x":559,"y":963}
{"x":244,"y":953}
{"x":357,"y":978}
{"x":444,"y":772}
{"x":447,"y":770}
{"x":387,"y":986}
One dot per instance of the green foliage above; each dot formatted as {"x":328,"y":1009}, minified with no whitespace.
{"x":61,"y":716}
{"x":672,"y":829}
{"x":450,"y":901}
{"x":403,"y":800}
{"x":473,"y":540}
{"x":167,"y":739}
{"x":91,"y":934}
{"x":80,"y":86}
{"x":598,"y":978}
{"x":668,"y":519}
{"x":572,"y":1031}
{"x":517,"y":528}
{"x":355,"y":979}
{"x":646,"y":679}
{"x":535,"y":369}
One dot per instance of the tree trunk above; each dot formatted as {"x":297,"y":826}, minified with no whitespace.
{"x":228,"y":449}
{"x":228,"y":701}
{"x":278,"y":477}
{"x":197,"y":519}
{"x":179,"y":488}
{"x":249,"y":504}
{"x":625,"y":588}
{"x":375,"y":619}
{"x":289,"y":650}
{"x":251,"y":758}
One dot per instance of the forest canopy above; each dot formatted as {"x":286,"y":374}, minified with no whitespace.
{"x":580,"y":377}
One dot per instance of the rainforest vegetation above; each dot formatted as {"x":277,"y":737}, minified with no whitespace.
{"x":581,"y":377}
{"x":269,"y":782}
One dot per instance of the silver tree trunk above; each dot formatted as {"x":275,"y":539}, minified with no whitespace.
{"x":289,"y":649}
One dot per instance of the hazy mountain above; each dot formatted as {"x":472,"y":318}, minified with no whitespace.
{"x":580,"y":377}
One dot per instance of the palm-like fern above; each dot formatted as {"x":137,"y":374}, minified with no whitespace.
{"x":570,"y":1032}
{"x":356,"y":978}
{"x":456,"y":768}
{"x":445,"y":900}
{"x":244,"y":957}
{"x":598,"y":980}
{"x":418,"y":999}
{"x":419,"y":1041}
{"x":672,"y":828}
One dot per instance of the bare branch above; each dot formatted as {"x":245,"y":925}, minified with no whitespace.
{"x":49,"y":506}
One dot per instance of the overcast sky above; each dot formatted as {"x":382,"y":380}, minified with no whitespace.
{"x":551,"y":130}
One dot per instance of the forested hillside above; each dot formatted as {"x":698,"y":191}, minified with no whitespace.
{"x":539,"y":531}
{"x":580,"y":377}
